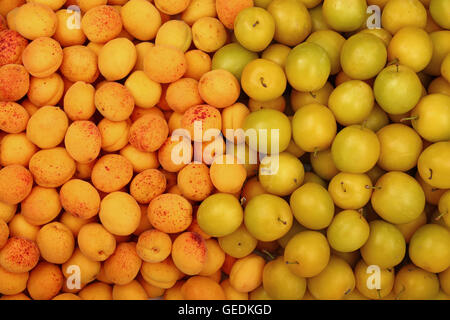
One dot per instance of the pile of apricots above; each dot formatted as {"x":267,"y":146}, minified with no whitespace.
{"x":95,"y":203}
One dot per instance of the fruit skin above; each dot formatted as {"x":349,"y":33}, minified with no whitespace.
{"x":433,"y":165}
{"x":307,"y":67}
{"x":413,"y":283}
{"x":292,"y":21}
{"x":387,"y":278}
{"x":307,"y":254}
{"x":233,"y":57}
{"x":344,"y":15}
{"x":247,"y":273}
{"x":280,"y":283}
{"x":398,"y":198}
{"x":267,"y":217}
{"x":385,"y":247}
{"x":348,"y":231}
{"x":254,"y":28}
{"x":220,"y":214}
{"x":429,"y":248}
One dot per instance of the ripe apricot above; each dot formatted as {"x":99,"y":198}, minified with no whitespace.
{"x":215,"y":258}
{"x":208,"y":34}
{"x":147,"y":185}
{"x":15,"y":184}
{"x":146,"y":92}
{"x":47,"y":127}
{"x":42,"y":57}
{"x":96,"y":291}
{"x":101,"y":24}
{"x":172,"y":7}
{"x":162,"y":274}
{"x":198,"y":63}
{"x":114,"y":101}
{"x":41,"y":206}
{"x":206,"y":115}
{"x":114,"y":134}
{"x":119,"y":213}
{"x":79,"y":64}
{"x":247,"y":273}
{"x":170,"y":213}
{"x":89,"y":269}
{"x":14,"y":82}
{"x":19,"y":255}
{"x":65,"y":34}
{"x":140,"y":160}
{"x":95,"y":242}
{"x":202,"y":288}
{"x":13,"y":44}
{"x":56,"y":242}
{"x":227,"y":10}
{"x":45,"y":281}
{"x":20,"y":227}
{"x":219,"y":88}
{"x":183,"y":94}
{"x":153,"y":246}
{"x":227,"y":175}
{"x":164,"y":64}
{"x":12,"y":283}
{"x":148,"y":133}
{"x":194,"y":182}
{"x":175,"y":33}
{"x":141,"y":19}
{"x":13,"y":117}
{"x":111,"y":173}
{"x":189,"y":253}
{"x":83,"y":141}
{"x":34,"y":20}
{"x":117,"y":58}
{"x":46,"y":91}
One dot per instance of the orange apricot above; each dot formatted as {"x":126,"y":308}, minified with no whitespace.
{"x":246,"y":273}
{"x":183,"y":94}
{"x":79,"y":101}
{"x":47,"y":127}
{"x":170,"y":213}
{"x":41,"y":206}
{"x":95,"y":242}
{"x":117,"y":58}
{"x":172,"y":7}
{"x":65,"y":34}
{"x":12,"y":44}
{"x":13,"y":117}
{"x":14,"y":82}
{"x":151,"y":290}
{"x":219,"y":88}
{"x":214,"y":259}
{"x":198,"y":63}
{"x":34,"y":20}
{"x":80,"y":199}
{"x":56,"y":242}
{"x":42,"y":57}
{"x":194,"y":182}
{"x":114,"y":134}
{"x":101,"y":24}
{"x":140,"y":160}
{"x":45,"y":281}
{"x":174,"y":293}
{"x":12,"y":283}
{"x":51,"y":168}
{"x":88,"y":269}
{"x":153,"y":246}
{"x":114,"y":101}
{"x":148,"y":133}
{"x":209,"y":34}
{"x":147,"y":185}
{"x":146,"y":92}
{"x":15,"y":148}
{"x":83,"y":141}
{"x":19,"y":255}
{"x":119,"y":213}
{"x":111,"y":173}
{"x":162,"y":274}
{"x":231,"y":293}
{"x":96,"y":291}
{"x":227,"y":10}
{"x":130,"y":291}
{"x":124,"y":264}
{"x":141,"y":19}
{"x":46,"y":91}
{"x":202,"y":288}
{"x":164,"y":64}
{"x":15,"y":184}
{"x":174,"y":154}
{"x":206,"y":115}
{"x":227,"y":175}
{"x":79,"y":64}
{"x":189,"y":253}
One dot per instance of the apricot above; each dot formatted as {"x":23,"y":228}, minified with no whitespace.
{"x":114,"y":101}
{"x":79,"y":101}
{"x":111,"y":173}
{"x":15,"y":185}
{"x":198,"y":9}
{"x":215,"y":258}
{"x":183,"y":94}
{"x":83,"y":141}
{"x":197,"y":64}
{"x":140,"y":160}
{"x":141,"y":51}
{"x":174,"y":293}
{"x":141,"y":19}
{"x":52,"y":168}
{"x":227,"y":10}
{"x":247,"y":273}
{"x":80,"y":199}
{"x":144,"y":224}
{"x":119,"y":213}
{"x":4,"y":233}
{"x":45,"y":281}
{"x":172,"y":7}
{"x":47,"y":127}
{"x":148,"y":133}
{"x":151,"y":290}
{"x":34,"y":20}
{"x":194,"y":182}
{"x":29,"y":107}
{"x":174,"y":154}
{"x":101,"y":23}
{"x":96,"y":291}
{"x":174,"y":121}
{"x":139,"y":112}
{"x":65,"y":33}
{"x":46,"y":91}
{"x":19,"y":255}
{"x":19,"y":296}
{"x":12,"y":283}
{"x":42,"y":57}
{"x":147,"y":185}
{"x":124,"y":264}
{"x":209,"y":34}
{"x":84,"y":170}
{"x":117,"y":58}
{"x":202,"y":288}
{"x":56,"y":242}
{"x":41,"y":206}
{"x":114,"y":134}
{"x":219,"y":88}
{"x":227,"y":175}
{"x":79,"y":64}
{"x":174,"y":33}
{"x":95,"y":242}
{"x":15,"y":148}
{"x":88,"y":268}
{"x":7,"y":6}
{"x":67,"y":296}
{"x":164,"y":64}
{"x":146,"y":92}
{"x":231,"y":293}
{"x":21,"y":228}
{"x":12,"y":44}
{"x":130,"y":291}
{"x":206,"y":115}
{"x":14,"y":82}
{"x":162,"y":274}
{"x":170,"y":213}
{"x":13,"y":117}
{"x":7,"y":211}
{"x":189,"y":253}
{"x":233,"y":118}
{"x":153,"y":246}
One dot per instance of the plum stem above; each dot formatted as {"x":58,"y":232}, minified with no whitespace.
{"x":409,"y":118}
